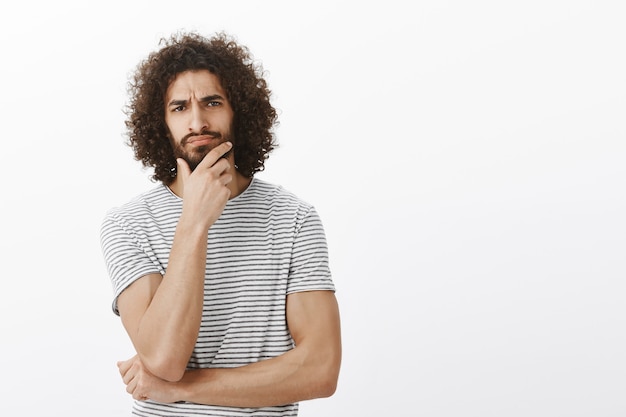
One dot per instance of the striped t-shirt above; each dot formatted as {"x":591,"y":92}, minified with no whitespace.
{"x":266,"y":244}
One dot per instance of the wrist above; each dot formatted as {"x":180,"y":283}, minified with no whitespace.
{"x":191,"y":228}
{"x":184,"y":389}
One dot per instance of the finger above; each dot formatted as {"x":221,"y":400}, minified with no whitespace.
{"x":131,"y":386}
{"x":182,"y":169}
{"x":128,"y":377}
{"x":123,"y":367}
{"x":215,"y":154}
{"x":135,"y":390}
{"x":221,"y":166}
{"x":226,"y":179}
{"x":127,"y":370}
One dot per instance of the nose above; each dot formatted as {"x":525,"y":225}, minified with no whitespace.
{"x":199,"y":121}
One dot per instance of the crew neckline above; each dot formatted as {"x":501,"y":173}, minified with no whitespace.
{"x":241,"y":194}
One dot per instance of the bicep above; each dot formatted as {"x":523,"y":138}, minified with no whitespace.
{"x":313,"y":318}
{"x":133,"y":302}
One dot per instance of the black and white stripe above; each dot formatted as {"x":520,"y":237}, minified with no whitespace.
{"x":266,"y":244}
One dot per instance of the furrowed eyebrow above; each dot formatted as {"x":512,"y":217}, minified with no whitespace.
{"x":177,"y":103}
{"x":211,"y":98}
{"x":206,"y":99}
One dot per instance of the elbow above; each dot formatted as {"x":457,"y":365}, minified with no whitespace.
{"x":326,"y":376}
{"x":167,"y":369}
{"x":327,"y":383}
{"x":168,"y":363}
{"x":171,"y":375}
{"x":326,"y":389}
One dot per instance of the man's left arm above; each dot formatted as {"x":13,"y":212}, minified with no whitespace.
{"x":308,"y":371}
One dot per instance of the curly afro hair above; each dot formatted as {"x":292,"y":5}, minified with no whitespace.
{"x":242,"y":79}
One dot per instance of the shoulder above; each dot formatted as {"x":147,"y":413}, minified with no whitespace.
{"x":263,"y":199}
{"x":275,"y":195}
{"x":282,"y":205}
{"x":143,"y":205}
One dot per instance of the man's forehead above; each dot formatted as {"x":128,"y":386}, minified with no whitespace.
{"x":197,"y":84}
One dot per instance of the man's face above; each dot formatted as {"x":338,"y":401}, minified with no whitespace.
{"x":198,"y":115}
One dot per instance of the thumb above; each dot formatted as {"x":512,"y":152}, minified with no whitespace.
{"x":182,"y":169}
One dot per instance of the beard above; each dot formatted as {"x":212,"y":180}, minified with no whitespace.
{"x":196,"y":154}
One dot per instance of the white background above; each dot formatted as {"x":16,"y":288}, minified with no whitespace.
{"x":467,"y":159}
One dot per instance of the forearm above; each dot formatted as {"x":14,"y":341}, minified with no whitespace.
{"x":292,"y":377}
{"x":168,"y":330}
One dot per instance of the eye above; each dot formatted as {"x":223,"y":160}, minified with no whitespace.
{"x":213,"y":103}
{"x":178,"y":108}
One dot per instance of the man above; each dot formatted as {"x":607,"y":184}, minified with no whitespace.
{"x":221,"y":279}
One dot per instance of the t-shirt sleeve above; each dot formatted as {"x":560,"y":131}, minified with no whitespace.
{"x":309,"y":270}
{"x":126,"y":255}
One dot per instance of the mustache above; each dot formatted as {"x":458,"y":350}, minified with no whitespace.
{"x":215,"y":134}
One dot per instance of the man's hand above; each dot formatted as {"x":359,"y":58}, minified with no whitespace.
{"x":142,"y":385}
{"x":205,"y":190}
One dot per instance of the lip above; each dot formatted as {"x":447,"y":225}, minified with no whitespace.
{"x":200,"y":140}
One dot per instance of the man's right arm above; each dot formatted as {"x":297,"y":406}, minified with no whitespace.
{"x":162,"y":314}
